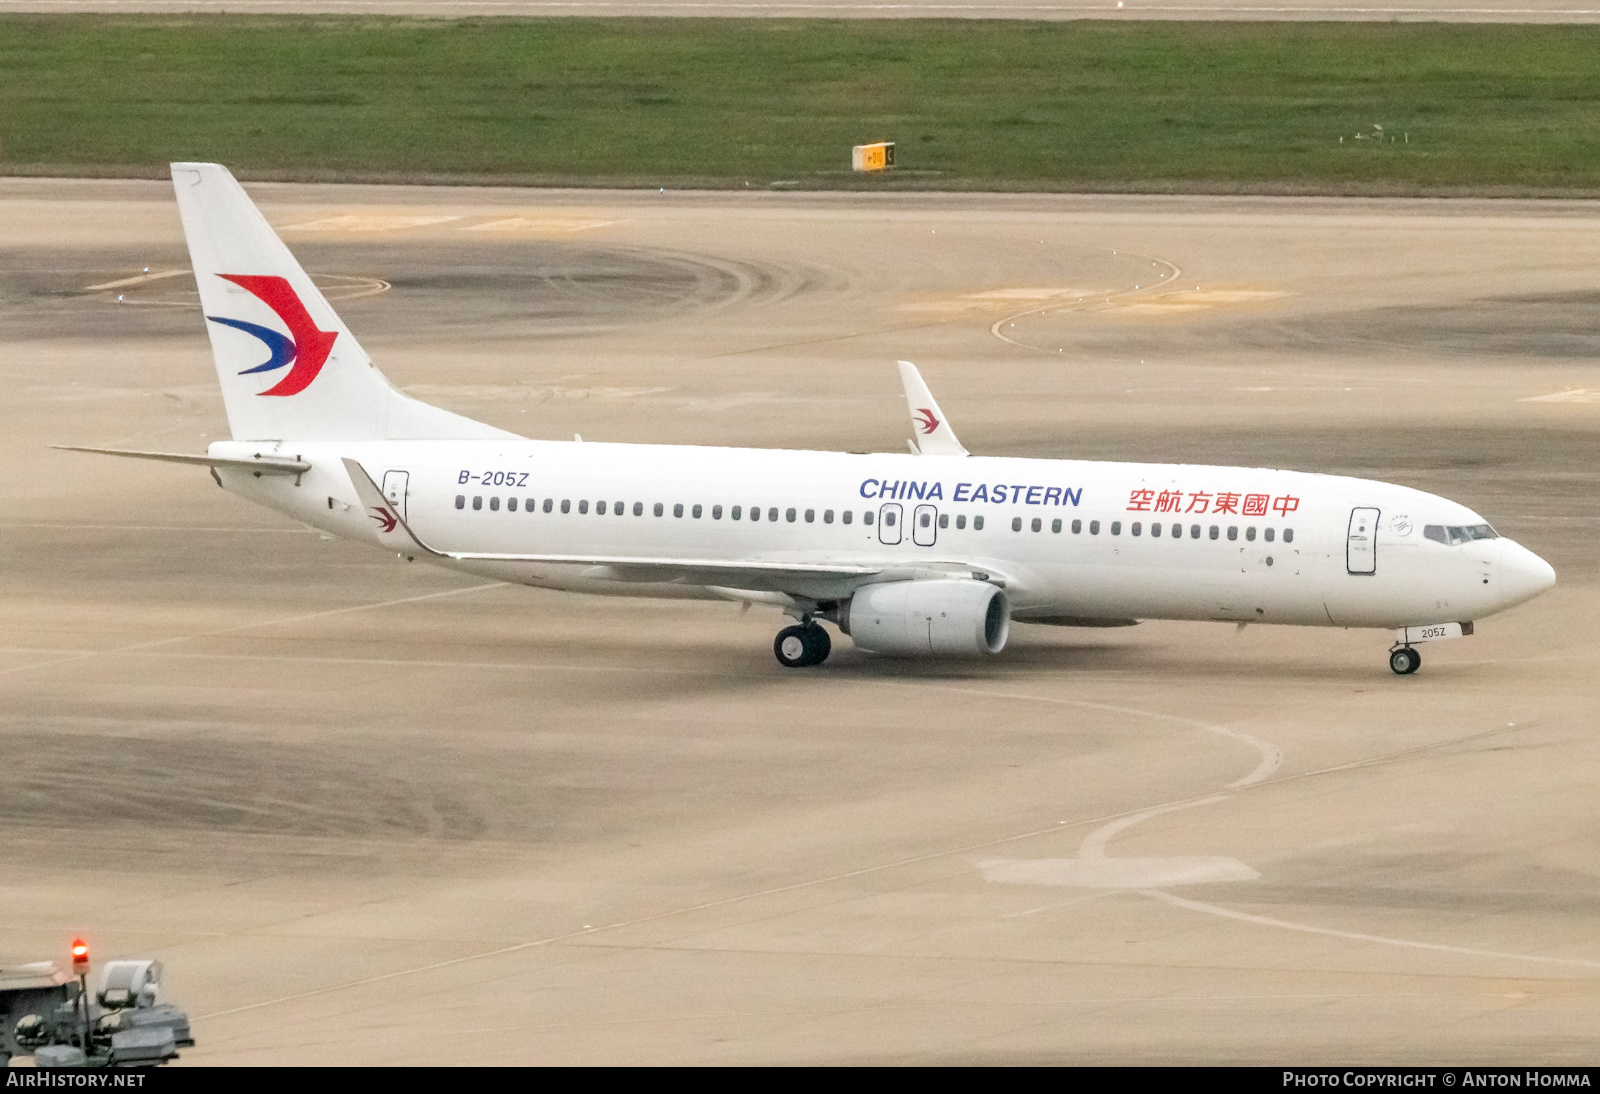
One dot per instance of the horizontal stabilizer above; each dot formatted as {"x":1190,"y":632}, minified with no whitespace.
{"x":260,"y":464}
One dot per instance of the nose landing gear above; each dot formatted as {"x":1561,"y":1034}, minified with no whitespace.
{"x":1404,"y":660}
{"x":802,"y":646}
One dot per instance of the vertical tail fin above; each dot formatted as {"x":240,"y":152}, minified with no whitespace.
{"x":316,"y":382}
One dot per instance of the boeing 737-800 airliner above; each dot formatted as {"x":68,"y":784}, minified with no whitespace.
{"x":932,"y":552}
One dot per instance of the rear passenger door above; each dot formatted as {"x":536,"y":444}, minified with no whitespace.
{"x":396,"y":485}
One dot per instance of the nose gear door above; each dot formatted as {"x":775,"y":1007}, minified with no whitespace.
{"x":924,"y":525}
{"x":1361,"y":546}
{"x":889,"y":530}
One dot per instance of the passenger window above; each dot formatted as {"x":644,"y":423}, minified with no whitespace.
{"x":772,"y":514}
{"x":477,"y":502}
{"x":1016,"y":524}
{"x":566,"y":505}
{"x":1077,"y":527}
{"x":600,"y":508}
{"x":789,"y":515}
{"x":549,"y":503}
{"x":619,"y":508}
{"x":1288,"y":535}
{"x":961,"y":521}
{"x":529,"y":503}
{"x":733,"y":513}
{"x":1116,"y":527}
{"x":461,"y":501}
{"x":583,"y":506}
{"x":695,"y":512}
{"x":1037,"y":524}
{"x":1155,"y":530}
{"x":977,"y":524}
{"x":1250,"y":534}
{"x":677,"y":509}
{"x":827,"y":516}
{"x":847,"y":516}
{"x":1177,"y":531}
{"x":1233,"y":531}
{"x":1055,"y":525}
{"x":1137,"y":529}
{"x":866,"y":516}
{"x":658,"y":509}
{"x":1194,"y":531}
{"x":811,"y":516}
{"x":494,"y":504}
{"x":716,"y":512}
{"x":1094,"y":527}
{"x":1215,"y":531}
{"x":755,"y":512}
{"x":1268,"y":535}
{"x":511,"y":505}
{"x":944,"y":520}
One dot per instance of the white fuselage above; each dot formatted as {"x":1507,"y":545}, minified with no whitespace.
{"x":1070,"y":540}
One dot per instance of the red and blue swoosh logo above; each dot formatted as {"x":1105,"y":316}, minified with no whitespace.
{"x":305,"y":347}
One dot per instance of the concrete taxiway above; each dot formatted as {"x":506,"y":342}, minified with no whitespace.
{"x":371,"y":812}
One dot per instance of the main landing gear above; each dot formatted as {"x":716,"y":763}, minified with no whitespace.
{"x":798,"y":647}
{"x":1404,"y":660}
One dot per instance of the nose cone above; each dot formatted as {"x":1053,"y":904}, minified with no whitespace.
{"x":1523,"y":574}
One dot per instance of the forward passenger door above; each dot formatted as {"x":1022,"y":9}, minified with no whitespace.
{"x":889,"y":530}
{"x":1361,"y":545}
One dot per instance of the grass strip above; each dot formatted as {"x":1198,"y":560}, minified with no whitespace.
{"x":971,"y":104}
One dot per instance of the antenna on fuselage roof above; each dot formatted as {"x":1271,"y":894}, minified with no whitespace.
{"x":931,"y":433}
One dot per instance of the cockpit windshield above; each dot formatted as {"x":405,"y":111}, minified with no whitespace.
{"x":1456,"y":534}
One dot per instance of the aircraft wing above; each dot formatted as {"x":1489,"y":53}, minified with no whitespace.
{"x":818,"y":579}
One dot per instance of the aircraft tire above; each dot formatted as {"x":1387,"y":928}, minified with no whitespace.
{"x":818,"y":644}
{"x":1405,"y":661}
{"x":791,"y":648}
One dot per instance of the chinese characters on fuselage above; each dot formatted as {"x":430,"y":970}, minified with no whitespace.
{"x":1213,"y":502}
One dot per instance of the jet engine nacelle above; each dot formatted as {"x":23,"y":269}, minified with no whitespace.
{"x":909,"y":618}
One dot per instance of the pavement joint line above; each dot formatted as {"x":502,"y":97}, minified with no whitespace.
{"x":1357,"y":936}
{"x":1168,"y":281}
{"x":141,"y":646}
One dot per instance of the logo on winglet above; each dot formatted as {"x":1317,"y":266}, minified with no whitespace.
{"x":386,"y":519}
{"x":928,"y":423}
{"x":305,"y":347}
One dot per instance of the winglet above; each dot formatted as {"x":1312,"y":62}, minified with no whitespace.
{"x":388,"y":526}
{"x":933,"y":435}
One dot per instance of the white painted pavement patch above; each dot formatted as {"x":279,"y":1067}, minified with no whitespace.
{"x":1117,"y":873}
